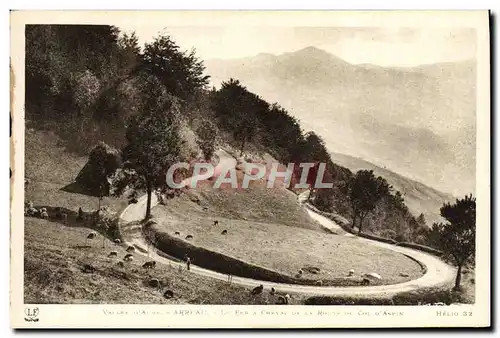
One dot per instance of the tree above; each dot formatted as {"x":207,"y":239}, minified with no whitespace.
{"x":207,"y":135}
{"x":153,"y":139}
{"x":179,"y":71}
{"x":421,"y":220}
{"x":96,"y":174}
{"x":457,"y":237}
{"x":238,"y":111}
{"x":365,"y":191}
{"x":244,"y":130}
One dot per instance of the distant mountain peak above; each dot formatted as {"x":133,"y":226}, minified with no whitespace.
{"x":316,"y":53}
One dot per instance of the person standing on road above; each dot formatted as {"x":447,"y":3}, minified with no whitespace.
{"x":188,"y":262}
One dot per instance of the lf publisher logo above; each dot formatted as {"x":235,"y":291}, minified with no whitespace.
{"x":31,"y":314}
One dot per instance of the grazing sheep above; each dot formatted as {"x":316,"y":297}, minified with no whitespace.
{"x":117,"y":241}
{"x":87,"y":268}
{"x":130,"y":248}
{"x":149,"y":265}
{"x":189,"y":237}
{"x":284,"y":299}
{"x":319,"y":283}
{"x":44,"y":214}
{"x":312,"y":269}
{"x":91,"y":236}
{"x":128,"y":257}
{"x":365,"y":281}
{"x":257,"y":290}
{"x":216,"y":222}
{"x":224,"y":232}
{"x":273,"y":291}
{"x":177,"y":233}
{"x":351,"y":272}
{"x":32,"y":212}
{"x":168,"y":294}
{"x":372,"y":275}
{"x":113,"y":254}
{"x":154,"y":282}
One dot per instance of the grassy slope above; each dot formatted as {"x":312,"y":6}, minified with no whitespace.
{"x":55,"y":253}
{"x":268,"y":227}
{"x":49,"y":168}
{"x":256,"y":203}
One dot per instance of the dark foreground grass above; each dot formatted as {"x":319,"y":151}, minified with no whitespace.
{"x":430,"y":296}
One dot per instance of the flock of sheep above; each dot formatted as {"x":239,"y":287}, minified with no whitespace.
{"x":30,"y":210}
{"x":216,"y":222}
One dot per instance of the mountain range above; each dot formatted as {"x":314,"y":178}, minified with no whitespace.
{"x":418,"y":121}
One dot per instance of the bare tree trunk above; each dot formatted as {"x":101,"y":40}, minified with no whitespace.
{"x":310,"y":195}
{"x":354,"y":217}
{"x":360,"y":224}
{"x":242,"y":146}
{"x":458,"y":279}
{"x":148,"y":203}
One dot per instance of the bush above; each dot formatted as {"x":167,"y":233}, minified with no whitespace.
{"x":377,"y":238}
{"x":424,"y":248}
{"x":427,"y":297}
{"x":325,"y":300}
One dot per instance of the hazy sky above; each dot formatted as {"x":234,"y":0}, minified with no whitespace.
{"x":381,"y":46}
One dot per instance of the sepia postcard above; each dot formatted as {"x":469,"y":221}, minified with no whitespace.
{"x":250,"y":169}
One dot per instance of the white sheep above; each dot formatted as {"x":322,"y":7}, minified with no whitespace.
{"x":44,"y":214}
{"x":91,"y":236}
{"x":351,"y":272}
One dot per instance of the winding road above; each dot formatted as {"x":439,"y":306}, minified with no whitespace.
{"x":438,"y":272}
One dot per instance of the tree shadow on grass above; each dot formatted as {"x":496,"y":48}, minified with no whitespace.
{"x":76,"y":188}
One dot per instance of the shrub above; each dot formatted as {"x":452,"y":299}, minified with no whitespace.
{"x":424,"y":248}
{"x":377,"y":238}
{"x":325,"y":300}
{"x":427,"y":297}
